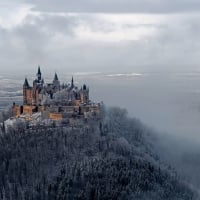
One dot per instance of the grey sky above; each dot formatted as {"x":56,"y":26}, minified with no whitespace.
{"x":111,"y":35}
{"x":118,"y":6}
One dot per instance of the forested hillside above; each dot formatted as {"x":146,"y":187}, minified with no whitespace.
{"x":109,"y":159}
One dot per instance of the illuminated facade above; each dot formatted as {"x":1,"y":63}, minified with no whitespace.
{"x":55,"y":101}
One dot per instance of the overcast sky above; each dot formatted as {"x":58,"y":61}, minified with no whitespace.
{"x":100,"y":35}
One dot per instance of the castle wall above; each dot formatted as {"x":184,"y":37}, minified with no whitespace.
{"x":16,"y":111}
{"x":35,"y":99}
{"x":28,"y":109}
{"x":95,"y":108}
{"x":63,"y":109}
{"x":28,"y":96}
{"x":77,"y":102}
{"x":55,"y":116}
{"x":84,"y":96}
{"x":70,"y":109}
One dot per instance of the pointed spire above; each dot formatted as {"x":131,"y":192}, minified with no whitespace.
{"x":39,"y":71}
{"x":26,"y":84}
{"x":72,"y":83}
{"x":39,"y":74}
{"x":56,"y":77}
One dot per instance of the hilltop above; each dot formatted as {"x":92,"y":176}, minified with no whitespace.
{"x":60,"y":145}
{"x":114,"y":159}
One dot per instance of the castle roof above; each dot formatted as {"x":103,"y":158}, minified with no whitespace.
{"x":39,"y":71}
{"x":56,"y":77}
{"x":84,"y":87}
{"x":72,"y":82}
{"x":26,"y":84}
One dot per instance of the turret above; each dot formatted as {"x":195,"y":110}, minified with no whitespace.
{"x":56,"y":83}
{"x":56,"y":77}
{"x":84,"y":87}
{"x":39,"y":74}
{"x":38,"y":82}
{"x":72,"y":82}
{"x":27,"y":92}
{"x":84,"y":94}
{"x":26,"y":84}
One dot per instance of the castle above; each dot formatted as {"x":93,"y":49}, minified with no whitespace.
{"x":55,"y":101}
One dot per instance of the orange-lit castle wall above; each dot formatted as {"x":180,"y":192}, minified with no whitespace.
{"x":55,"y":116}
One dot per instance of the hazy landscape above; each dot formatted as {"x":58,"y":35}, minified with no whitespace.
{"x":141,"y":59}
{"x":171,"y":108}
{"x":167,"y":101}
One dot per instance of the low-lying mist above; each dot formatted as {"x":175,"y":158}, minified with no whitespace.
{"x":168,"y":102}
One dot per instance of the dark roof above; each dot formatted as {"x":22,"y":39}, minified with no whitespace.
{"x":72,"y":82}
{"x":56,"y":77}
{"x":26,"y":84}
{"x":84,"y":87}
{"x":39,"y":71}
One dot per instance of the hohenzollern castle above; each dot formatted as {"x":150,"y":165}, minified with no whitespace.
{"x":55,"y":101}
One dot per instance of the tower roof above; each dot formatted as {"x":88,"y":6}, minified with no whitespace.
{"x":56,"y":77}
{"x":72,"y":82}
{"x":84,"y":87}
{"x":39,"y":71}
{"x":26,"y":84}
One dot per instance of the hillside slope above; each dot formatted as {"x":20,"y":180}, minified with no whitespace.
{"x":112,"y":159}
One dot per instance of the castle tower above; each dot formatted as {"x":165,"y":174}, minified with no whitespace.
{"x":56,"y":83}
{"x":37,"y":88}
{"x":55,"y":77}
{"x":84,"y":93}
{"x":39,"y":74}
{"x":72,"y":82}
{"x":27,"y":93}
{"x":38,"y":82}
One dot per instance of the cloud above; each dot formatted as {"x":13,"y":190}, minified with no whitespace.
{"x":119,"y":6}
{"x":12,"y":13}
{"x":97,"y":42}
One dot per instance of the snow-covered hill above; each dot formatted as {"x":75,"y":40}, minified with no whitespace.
{"x":114,"y":159}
